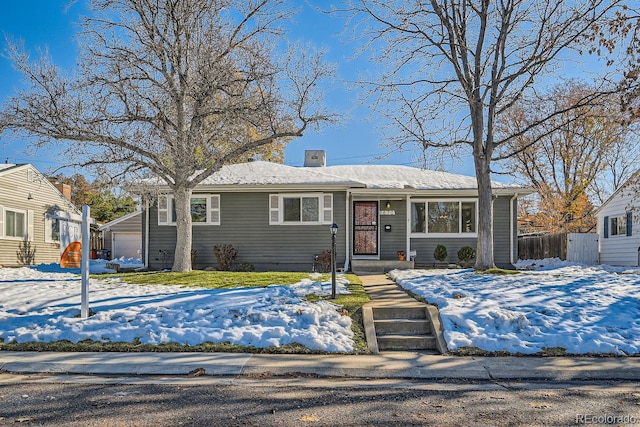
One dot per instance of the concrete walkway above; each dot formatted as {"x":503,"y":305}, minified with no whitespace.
{"x":385,"y":365}
{"x":393,"y":364}
{"x":384,"y":291}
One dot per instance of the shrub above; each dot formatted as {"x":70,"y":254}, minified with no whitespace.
{"x":466,"y":254}
{"x":26,"y":254}
{"x":324,"y":259}
{"x":225,"y":254}
{"x":440,"y":253}
{"x":245,"y":267}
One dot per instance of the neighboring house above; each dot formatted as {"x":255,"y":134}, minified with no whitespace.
{"x":618,"y":226}
{"x":278,"y":217}
{"x":32,"y":209}
{"x":122,"y":237}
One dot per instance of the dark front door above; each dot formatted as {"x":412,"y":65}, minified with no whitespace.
{"x":365,"y":228}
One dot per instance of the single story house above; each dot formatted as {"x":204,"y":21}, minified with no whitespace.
{"x":278,"y":217}
{"x":122,"y":237}
{"x":34,"y":210}
{"x":618,"y":225}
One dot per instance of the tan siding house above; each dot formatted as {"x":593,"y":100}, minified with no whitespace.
{"x":31,"y":209}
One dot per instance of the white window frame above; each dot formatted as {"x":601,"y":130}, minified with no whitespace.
{"x":427,"y":234}
{"x":166,"y":203}
{"x":27,"y":226}
{"x":619,"y":220}
{"x":276,"y":208}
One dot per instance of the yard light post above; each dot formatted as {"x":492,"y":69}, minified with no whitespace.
{"x":334,"y":231}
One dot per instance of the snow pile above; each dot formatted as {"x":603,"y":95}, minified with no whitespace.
{"x":39,"y":305}
{"x":584,"y":309}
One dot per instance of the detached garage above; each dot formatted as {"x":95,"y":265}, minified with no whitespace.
{"x":122,"y":237}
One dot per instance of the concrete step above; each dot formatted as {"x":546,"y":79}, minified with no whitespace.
{"x":369,"y":266}
{"x":402,"y":327}
{"x":407,"y":342}
{"x":416,"y":311}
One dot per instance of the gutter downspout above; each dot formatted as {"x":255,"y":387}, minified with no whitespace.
{"x":146,"y":234}
{"x":346,"y":233}
{"x":408,"y":226}
{"x":511,"y":224}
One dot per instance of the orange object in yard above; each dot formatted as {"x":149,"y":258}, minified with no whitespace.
{"x":71,"y":256}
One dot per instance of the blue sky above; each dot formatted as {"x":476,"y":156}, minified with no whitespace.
{"x":50,"y":24}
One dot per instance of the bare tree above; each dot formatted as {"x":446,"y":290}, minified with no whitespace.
{"x":177,"y":88}
{"x":455,"y":67}
{"x":570,"y":156}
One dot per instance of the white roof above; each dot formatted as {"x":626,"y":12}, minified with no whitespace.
{"x":384,"y":177}
{"x":4,"y":167}
{"x":399,"y":177}
{"x":268,"y":173}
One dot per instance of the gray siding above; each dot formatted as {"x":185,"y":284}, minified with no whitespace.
{"x":425,"y":247}
{"x":501,"y":221}
{"x":395,"y":240}
{"x":14,"y":190}
{"x":245,"y":225}
{"x":502,"y":232}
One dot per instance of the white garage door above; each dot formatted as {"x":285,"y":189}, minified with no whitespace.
{"x":126,"y":245}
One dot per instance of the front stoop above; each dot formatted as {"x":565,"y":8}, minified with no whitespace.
{"x":406,"y":326}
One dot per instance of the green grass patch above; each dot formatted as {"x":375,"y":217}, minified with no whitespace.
{"x":352,"y":306}
{"x":211,"y":279}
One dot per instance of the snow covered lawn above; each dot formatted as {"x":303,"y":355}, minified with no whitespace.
{"x":583,"y":309}
{"x":42,"y":304}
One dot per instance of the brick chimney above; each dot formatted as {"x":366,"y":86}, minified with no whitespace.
{"x":65,"y":189}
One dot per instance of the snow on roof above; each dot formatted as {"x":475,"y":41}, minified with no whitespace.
{"x":6,"y":166}
{"x":267,"y":173}
{"x":353,"y":176}
{"x":398,"y":177}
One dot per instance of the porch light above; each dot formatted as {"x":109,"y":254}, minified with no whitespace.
{"x":388,"y":205}
{"x":334,"y":231}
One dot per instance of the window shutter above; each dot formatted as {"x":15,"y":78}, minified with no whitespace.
{"x":327,"y":209}
{"x":629,"y":223}
{"x":163,"y":210}
{"x":274,"y":211}
{"x":1,"y":221}
{"x":606,"y":227}
{"x":214,"y":209}
{"x":30,"y":226}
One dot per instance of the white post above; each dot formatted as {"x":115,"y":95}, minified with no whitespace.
{"x":86,"y":243}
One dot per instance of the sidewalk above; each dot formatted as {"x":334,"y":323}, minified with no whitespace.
{"x":385,"y":365}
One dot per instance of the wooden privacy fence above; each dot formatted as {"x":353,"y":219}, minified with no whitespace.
{"x":576,"y":247}
{"x":540,"y":247}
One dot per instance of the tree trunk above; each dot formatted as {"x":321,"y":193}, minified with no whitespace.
{"x":182,"y":203}
{"x":484,"y":250}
